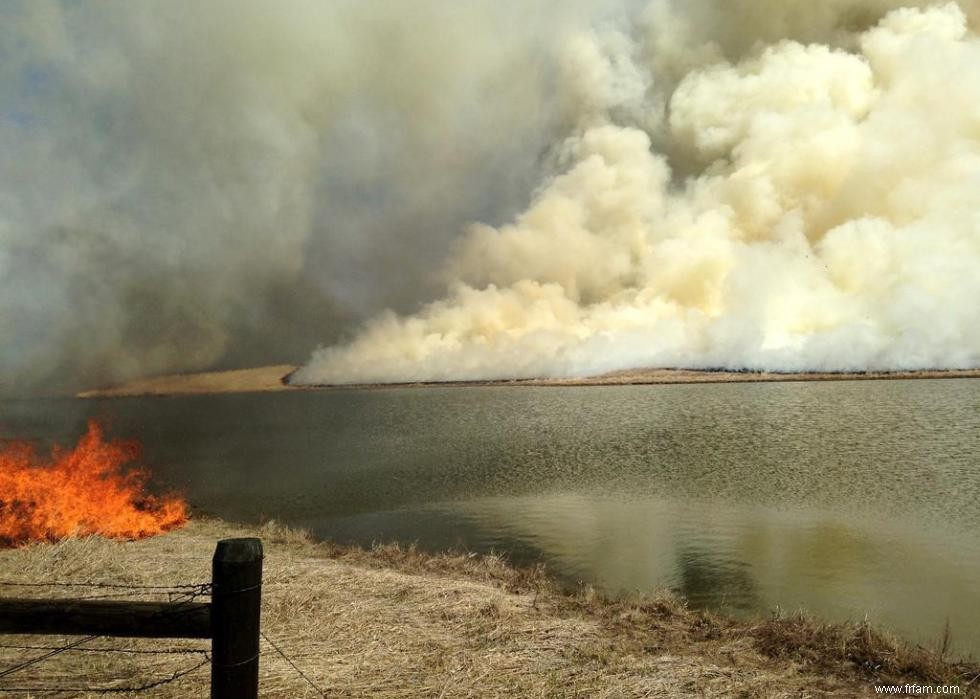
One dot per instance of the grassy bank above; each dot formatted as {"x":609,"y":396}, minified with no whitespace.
{"x":393,"y":622}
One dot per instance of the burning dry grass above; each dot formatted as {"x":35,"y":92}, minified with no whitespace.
{"x":90,"y":489}
{"x":394,"y":622}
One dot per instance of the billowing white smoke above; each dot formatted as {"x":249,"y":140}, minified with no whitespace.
{"x":733,"y":198}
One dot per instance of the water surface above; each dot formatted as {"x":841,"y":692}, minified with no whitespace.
{"x":847,"y":499}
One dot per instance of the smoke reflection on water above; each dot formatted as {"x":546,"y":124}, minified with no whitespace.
{"x":846,"y":499}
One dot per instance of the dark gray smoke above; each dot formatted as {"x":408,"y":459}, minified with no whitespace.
{"x":188,"y":185}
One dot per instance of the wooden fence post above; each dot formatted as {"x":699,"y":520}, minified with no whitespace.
{"x":236,"y":600}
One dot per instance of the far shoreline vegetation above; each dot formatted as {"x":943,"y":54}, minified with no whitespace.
{"x":457,"y":624}
{"x":275,"y":378}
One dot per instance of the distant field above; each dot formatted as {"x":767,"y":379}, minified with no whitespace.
{"x":272,"y":378}
{"x":267,"y":378}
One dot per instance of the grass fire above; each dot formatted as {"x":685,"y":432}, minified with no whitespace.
{"x":94,"y":488}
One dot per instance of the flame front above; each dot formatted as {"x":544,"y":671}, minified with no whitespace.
{"x":88,"y":490}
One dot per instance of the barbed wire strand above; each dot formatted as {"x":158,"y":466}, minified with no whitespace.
{"x":41,"y":658}
{"x":289,"y":660}
{"x":118,"y":586}
{"x":177,"y":674}
{"x":135,"y":651}
{"x":173,"y":595}
{"x":190,"y":595}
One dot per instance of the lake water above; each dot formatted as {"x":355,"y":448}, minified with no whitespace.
{"x":850,"y":500}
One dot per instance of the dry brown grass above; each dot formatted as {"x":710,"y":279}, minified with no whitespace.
{"x":262,"y":379}
{"x":274,"y":378}
{"x":394,"y":622}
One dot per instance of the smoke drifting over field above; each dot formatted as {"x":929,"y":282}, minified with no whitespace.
{"x":735,"y":199}
{"x":778,"y":184}
{"x":188,"y":184}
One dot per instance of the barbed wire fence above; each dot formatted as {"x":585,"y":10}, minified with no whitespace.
{"x":17,"y":678}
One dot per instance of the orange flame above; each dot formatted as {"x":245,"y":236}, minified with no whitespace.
{"x":83,"y":491}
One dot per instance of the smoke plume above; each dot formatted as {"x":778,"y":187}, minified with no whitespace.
{"x":735,"y":183}
{"x":187,"y":185}
{"x":763,"y":185}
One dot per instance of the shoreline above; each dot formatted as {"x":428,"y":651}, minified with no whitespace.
{"x":274,"y":379}
{"x":393,"y":621}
